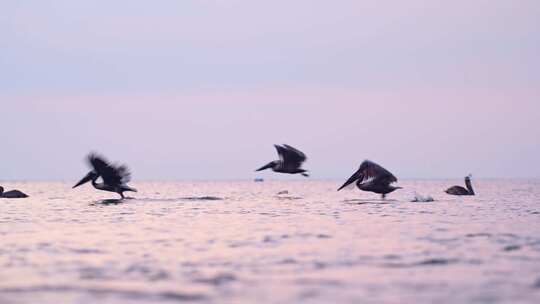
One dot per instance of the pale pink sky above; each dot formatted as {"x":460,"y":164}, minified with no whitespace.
{"x":202,"y":89}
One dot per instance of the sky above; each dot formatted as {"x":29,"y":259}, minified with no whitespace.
{"x":182,"y":90}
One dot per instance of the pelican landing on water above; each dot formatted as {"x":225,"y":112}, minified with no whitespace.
{"x":115,"y":178}
{"x":290,"y":161}
{"x":458,"y":190}
{"x":11,"y":194}
{"x":373,"y":178}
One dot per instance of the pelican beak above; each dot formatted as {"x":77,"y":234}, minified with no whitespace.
{"x":357,"y":175}
{"x":85,"y":179}
{"x":267,"y":166}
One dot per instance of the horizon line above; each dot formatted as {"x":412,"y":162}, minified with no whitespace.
{"x":267,"y":180}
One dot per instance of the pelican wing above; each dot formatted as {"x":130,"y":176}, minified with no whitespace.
{"x":375,"y":173}
{"x":294,"y":155}
{"x":281,"y":151}
{"x":290,"y":155}
{"x":111,"y":174}
{"x":125,"y":174}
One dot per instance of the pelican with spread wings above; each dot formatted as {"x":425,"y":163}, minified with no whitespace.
{"x":373,"y":178}
{"x":290,"y":161}
{"x":115,"y":178}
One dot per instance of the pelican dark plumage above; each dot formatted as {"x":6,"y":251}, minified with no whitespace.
{"x":458,"y":190}
{"x":115,"y":178}
{"x":11,"y":194}
{"x":373,"y":178}
{"x":290,"y":161}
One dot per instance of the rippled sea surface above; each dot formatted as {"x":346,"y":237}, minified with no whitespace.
{"x":242,"y":242}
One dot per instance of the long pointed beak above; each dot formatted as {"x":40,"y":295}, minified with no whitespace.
{"x":351,"y":180}
{"x":84,"y":180}
{"x":267,"y":166}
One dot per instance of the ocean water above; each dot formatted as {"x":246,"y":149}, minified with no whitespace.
{"x":242,"y":242}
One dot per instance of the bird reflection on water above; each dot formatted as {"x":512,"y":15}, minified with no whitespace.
{"x":113,"y":201}
{"x":366,"y":201}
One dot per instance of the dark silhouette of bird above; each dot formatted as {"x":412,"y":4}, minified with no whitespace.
{"x":290,"y":161}
{"x":458,"y":190}
{"x":374,"y":178}
{"x":115,"y":178}
{"x":11,"y":194}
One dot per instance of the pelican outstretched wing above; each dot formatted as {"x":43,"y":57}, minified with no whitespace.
{"x":111,"y":174}
{"x":290,"y":156}
{"x":295,"y":155}
{"x":281,"y":152}
{"x":373,"y":172}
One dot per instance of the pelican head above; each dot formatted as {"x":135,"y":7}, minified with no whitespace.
{"x":268,"y":166}
{"x":90,"y":176}
{"x":356,"y":176}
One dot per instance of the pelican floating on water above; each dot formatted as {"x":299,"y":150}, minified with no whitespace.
{"x":458,"y":190}
{"x":290,"y":161}
{"x":115,"y":178}
{"x":11,"y":194}
{"x":374,"y":178}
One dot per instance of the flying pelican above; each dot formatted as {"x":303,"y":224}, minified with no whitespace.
{"x":374,"y":178}
{"x":458,"y":190}
{"x":290,"y":161}
{"x":11,"y":194}
{"x":115,"y":178}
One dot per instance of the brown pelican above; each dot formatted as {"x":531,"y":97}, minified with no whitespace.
{"x":374,"y":178}
{"x":458,"y":190}
{"x":11,"y":194}
{"x":115,"y":178}
{"x":290,"y":161}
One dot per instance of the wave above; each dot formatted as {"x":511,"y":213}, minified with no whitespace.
{"x":123,"y":293}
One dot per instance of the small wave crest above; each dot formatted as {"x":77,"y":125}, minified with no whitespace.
{"x":121,"y":293}
{"x":426,"y":262}
{"x":217,"y":280}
